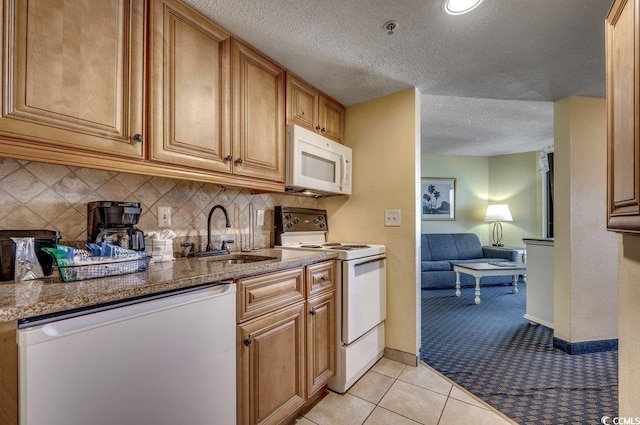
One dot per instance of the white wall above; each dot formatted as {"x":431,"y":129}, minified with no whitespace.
{"x":472,"y":190}
{"x":480,"y":180}
{"x":514,"y":180}
{"x":585,"y":254}
{"x":384,"y":134}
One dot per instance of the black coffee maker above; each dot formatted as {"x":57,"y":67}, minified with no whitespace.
{"x":115,"y":223}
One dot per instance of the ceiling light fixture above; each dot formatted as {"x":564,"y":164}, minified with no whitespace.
{"x":390,"y":27}
{"x":458,"y":7}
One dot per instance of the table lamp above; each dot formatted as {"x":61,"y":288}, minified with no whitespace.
{"x":498,"y":213}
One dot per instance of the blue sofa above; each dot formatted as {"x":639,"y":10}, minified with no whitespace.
{"x":439,"y":249}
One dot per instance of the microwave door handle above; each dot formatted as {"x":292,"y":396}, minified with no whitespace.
{"x":343,"y":177}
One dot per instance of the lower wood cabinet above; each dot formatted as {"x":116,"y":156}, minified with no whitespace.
{"x":286,"y":354}
{"x":272,"y":378}
{"x":321,"y":326}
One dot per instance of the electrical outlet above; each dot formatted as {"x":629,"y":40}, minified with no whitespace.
{"x":164,"y":216}
{"x":392,"y":218}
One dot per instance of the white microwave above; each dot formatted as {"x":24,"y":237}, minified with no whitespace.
{"x":316,"y":165}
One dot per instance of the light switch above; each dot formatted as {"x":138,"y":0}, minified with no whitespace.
{"x":260,"y":218}
{"x":392,"y":218}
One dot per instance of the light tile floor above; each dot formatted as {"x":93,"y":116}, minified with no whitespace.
{"x":396,"y":394}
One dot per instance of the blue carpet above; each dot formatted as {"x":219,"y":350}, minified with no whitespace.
{"x":493,"y":352}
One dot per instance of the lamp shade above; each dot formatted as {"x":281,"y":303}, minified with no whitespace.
{"x":498,"y":212}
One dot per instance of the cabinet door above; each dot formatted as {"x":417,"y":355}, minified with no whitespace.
{"x":302,"y":103}
{"x":189,"y":89}
{"x":623,"y":84}
{"x":258,"y":115}
{"x":320,"y":341}
{"x":331,"y":119}
{"x":73,"y":75}
{"x":271,"y":366}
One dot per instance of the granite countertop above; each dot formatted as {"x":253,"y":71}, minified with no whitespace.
{"x":19,"y":300}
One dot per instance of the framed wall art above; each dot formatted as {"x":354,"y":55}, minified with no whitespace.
{"x":438,"y":198}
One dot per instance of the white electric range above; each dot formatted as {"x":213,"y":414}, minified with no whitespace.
{"x":360,"y":290}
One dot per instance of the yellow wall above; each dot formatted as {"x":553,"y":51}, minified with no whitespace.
{"x":472,"y":189}
{"x":585,"y":254}
{"x":480,"y":180}
{"x":384,"y":134}
{"x":629,"y":323}
{"x":514,"y":180}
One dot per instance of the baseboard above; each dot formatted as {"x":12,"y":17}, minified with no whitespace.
{"x":401,"y":357}
{"x":585,"y":347}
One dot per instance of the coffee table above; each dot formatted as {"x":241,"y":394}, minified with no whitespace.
{"x":480,"y":270}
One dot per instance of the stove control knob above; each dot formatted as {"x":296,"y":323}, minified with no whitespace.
{"x":321,"y":217}
{"x":296,"y":220}
{"x":287,"y":216}
{"x":289,"y":225}
{"x":322,"y":225}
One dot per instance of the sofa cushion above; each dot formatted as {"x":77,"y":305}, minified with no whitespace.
{"x":442,"y":246}
{"x":430,"y":266}
{"x":425,"y":251}
{"x":468,"y":246}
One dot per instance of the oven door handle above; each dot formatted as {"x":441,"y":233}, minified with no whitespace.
{"x":370,"y":261}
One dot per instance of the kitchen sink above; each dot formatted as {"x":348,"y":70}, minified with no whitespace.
{"x":236,"y":258}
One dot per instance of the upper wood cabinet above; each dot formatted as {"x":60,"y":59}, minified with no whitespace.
{"x":331,"y":118}
{"x":189,"y":89}
{"x":257,"y":114}
{"x":313,"y":110}
{"x":73,"y":76}
{"x":623,"y":112}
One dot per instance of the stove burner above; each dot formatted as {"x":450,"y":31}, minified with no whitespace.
{"x":332,"y":244}
{"x":310,"y":246}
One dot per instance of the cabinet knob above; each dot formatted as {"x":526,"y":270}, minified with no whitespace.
{"x":228,"y":158}
{"x":323,"y":129}
{"x":248,"y":341}
{"x":313,"y":312}
{"x":318,"y":127}
{"x":323,"y":278}
{"x":239,"y":161}
{"x":138,"y":138}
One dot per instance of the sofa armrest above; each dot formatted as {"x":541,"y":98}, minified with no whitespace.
{"x":495,"y":252}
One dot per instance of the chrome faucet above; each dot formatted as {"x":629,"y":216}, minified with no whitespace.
{"x":226,"y":217}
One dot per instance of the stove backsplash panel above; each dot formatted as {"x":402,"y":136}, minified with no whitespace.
{"x":45,"y":196}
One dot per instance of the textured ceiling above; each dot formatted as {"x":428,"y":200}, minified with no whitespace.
{"x":532,"y":51}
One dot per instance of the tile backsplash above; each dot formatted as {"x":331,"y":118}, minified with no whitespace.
{"x":44,"y":196}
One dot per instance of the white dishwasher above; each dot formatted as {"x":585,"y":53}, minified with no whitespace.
{"x":166,"y":359}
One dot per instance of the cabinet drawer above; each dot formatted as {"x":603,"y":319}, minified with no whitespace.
{"x":320,"y":278}
{"x":262,"y":294}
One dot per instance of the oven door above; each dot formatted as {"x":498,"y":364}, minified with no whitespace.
{"x":364,"y":295}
